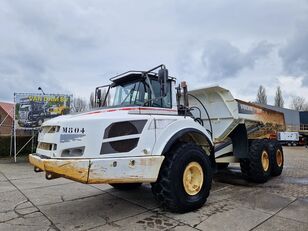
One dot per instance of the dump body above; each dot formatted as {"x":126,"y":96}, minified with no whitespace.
{"x":226,"y":113}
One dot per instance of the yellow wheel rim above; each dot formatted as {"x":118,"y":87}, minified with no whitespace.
{"x":193,"y":178}
{"x":265,"y":160}
{"x":279,"y":158}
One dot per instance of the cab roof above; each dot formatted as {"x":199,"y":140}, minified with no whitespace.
{"x":134,"y":76}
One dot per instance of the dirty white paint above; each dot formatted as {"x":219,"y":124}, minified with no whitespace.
{"x":110,"y":170}
{"x":123,"y":170}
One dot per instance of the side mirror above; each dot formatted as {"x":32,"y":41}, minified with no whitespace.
{"x":163,"y":78}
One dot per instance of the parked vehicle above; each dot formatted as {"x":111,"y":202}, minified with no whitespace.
{"x":31,"y":114}
{"x":289,"y":138}
{"x":56,"y":110}
{"x":149,"y":130}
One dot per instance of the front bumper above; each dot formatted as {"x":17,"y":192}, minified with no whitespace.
{"x":26,"y":123}
{"x":109,"y":170}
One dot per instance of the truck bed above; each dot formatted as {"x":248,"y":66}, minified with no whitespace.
{"x":226,"y":113}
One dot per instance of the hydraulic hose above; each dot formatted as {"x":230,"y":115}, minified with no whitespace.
{"x":207,"y":114}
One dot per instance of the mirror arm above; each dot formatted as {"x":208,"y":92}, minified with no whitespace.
{"x":147,"y":79}
{"x":106,"y":95}
{"x":95,"y":97}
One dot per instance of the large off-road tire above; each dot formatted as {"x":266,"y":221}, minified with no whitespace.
{"x":257,"y":167}
{"x":126,"y":186}
{"x":185,"y":179}
{"x":277,"y":158}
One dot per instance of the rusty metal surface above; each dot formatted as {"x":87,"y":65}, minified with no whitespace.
{"x":269,"y":121}
{"x":36,"y":161}
{"x":125,"y":170}
{"x":95,"y":171}
{"x":72,"y":169}
{"x":261,"y":114}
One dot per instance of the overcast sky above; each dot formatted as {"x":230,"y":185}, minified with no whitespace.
{"x":71,"y":46}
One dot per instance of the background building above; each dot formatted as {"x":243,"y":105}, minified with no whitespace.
{"x":295,"y":121}
{"x":6,"y":118}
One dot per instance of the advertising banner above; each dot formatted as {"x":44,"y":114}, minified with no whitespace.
{"x":31,"y":109}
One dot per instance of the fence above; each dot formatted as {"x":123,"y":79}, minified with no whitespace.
{"x":5,"y":145}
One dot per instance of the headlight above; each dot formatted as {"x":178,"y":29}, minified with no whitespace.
{"x":50,"y":129}
{"x":47,"y":146}
{"x":72,"y":152}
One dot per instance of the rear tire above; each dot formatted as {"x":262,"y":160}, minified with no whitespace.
{"x":185,"y":179}
{"x":126,"y":186}
{"x":257,"y":167}
{"x":277,"y":158}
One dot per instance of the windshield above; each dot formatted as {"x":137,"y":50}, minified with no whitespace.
{"x":24,"y":108}
{"x":136,"y":93}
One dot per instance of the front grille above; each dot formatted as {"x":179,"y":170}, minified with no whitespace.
{"x":124,"y":128}
{"x":23,"y":115}
{"x":119,"y":146}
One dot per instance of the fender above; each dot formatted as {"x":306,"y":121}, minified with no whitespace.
{"x":239,"y":137}
{"x":181,"y":133}
{"x":172,"y":134}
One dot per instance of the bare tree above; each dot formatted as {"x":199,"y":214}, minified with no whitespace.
{"x":298,"y":103}
{"x":279,"y":102}
{"x":92,"y":101}
{"x":79,"y":105}
{"x":261,"y":95}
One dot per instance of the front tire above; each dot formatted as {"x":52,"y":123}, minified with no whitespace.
{"x":185,"y":179}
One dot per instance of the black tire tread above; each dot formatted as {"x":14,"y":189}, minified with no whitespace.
{"x":273,"y":146}
{"x":161,"y":188}
{"x":252,"y":168}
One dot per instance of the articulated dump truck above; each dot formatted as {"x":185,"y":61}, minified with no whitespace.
{"x":148,"y":129}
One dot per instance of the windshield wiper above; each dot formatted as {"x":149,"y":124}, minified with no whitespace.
{"x":129,"y":94}
{"x":157,"y":98}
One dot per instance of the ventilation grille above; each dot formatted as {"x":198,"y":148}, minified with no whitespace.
{"x":119,"y":146}
{"x":124,"y":128}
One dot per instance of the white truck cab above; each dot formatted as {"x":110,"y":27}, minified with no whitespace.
{"x":138,"y":134}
